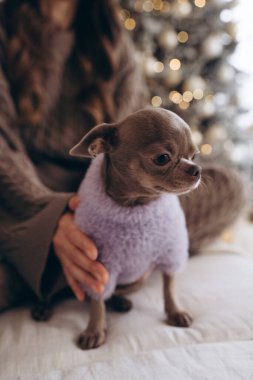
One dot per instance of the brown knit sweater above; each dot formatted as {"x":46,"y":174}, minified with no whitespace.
{"x":37,"y":175}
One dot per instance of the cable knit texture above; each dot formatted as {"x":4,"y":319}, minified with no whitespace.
{"x":131,"y":239}
{"x":37,"y":174}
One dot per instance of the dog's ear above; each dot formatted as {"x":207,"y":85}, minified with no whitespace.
{"x":100,"y":139}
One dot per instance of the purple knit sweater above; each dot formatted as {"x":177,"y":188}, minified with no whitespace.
{"x":131,"y":239}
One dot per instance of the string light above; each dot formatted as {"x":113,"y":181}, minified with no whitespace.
{"x":138,"y":6}
{"x":184,"y":105}
{"x":198,"y":94}
{"x":206,"y":149}
{"x":200,"y":3}
{"x":124,"y":14}
{"x":148,"y":6}
{"x":158,"y":67}
{"x":156,"y":101}
{"x":187,"y":96}
{"x":175,"y":64}
{"x":175,"y":97}
{"x":166,"y":7}
{"x":130,"y":23}
{"x":183,"y":36}
{"x":158,"y":5}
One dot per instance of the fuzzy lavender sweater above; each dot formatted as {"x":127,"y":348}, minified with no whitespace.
{"x":131,"y":239}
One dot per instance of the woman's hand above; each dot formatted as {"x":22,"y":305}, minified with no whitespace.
{"x":77,"y":254}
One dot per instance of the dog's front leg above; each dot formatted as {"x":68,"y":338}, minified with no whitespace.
{"x":175,"y":315}
{"x":95,"y":334}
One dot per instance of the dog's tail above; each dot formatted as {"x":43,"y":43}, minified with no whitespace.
{"x":215,"y":205}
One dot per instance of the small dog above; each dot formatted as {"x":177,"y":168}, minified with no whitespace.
{"x":129,"y":206}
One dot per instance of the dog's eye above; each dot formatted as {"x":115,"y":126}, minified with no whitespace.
{"x":161,"y":159}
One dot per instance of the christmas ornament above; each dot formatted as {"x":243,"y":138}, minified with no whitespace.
{"x":168,"y":39}
{"x":225,"y":73}
{"x":213,"y":46}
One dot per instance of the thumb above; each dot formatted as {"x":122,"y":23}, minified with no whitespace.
{"x":74,"y":202}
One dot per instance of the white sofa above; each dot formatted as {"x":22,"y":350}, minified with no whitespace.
{"x":216,"y":288}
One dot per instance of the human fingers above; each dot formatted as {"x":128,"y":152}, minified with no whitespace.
{"x":81,"y":276}
{"x":69,"y":257}
{"x":86,"y":249}
{"x":76,"y":288}
{"x":78,"y":238}
{"x":86,"y":254}
{"x":96,"y":269}
{"x":81,"y":241}
{"x":74,"y":202}
{"x":78,"y":257}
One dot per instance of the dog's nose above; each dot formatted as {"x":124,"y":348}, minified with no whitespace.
{"x":194,"y":170}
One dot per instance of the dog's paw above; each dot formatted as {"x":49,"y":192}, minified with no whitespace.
{"x":41,"y":312}
{"x":91,"y":339}
{"x":179,"y":319}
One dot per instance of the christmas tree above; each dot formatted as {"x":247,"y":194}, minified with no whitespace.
{"x":183,"y":47}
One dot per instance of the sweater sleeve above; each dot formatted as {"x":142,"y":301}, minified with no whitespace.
{"x":29,"y":212}
{"x":131,"y":93}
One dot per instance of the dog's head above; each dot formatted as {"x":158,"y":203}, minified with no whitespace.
{"x":152,"y":147}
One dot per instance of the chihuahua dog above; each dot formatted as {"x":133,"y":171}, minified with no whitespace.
{"x":129,"y":207}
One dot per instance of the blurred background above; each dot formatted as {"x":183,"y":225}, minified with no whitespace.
{"x":197,"y":58}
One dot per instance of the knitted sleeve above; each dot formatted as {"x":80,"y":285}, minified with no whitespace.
{"x":131,"y":93}
{"x":29,"y":211}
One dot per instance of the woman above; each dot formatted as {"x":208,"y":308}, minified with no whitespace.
{"x":66,"y":65}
